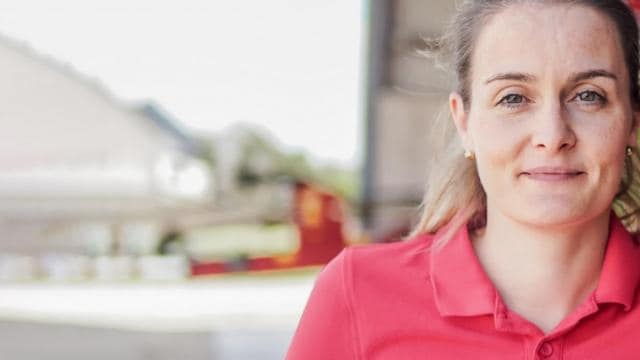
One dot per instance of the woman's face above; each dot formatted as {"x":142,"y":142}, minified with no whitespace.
{"x":550,"y":115}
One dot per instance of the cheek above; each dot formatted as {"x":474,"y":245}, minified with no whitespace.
{"x":604,"y":143}
{"x":608,"y":159}
{"x":496,"y":143}
{"x":497,"y":152}
{"x":601,"y":149}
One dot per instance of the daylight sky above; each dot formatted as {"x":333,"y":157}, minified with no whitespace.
{"x":291,"y":67}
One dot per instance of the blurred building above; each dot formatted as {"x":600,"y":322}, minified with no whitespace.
{"x":76,"y":164}
{"x":406,"y":90}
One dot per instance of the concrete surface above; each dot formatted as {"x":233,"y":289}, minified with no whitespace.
{"x":223,"y":318}
{"x":39,"y":341}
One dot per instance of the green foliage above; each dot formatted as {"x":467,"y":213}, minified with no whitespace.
{"x":344,"y":182}
{"x":262,"y":161}
{"x":206,"y":153}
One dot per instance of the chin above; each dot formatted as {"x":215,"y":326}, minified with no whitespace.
{"x":560,"y":215}
{"x":559,"y":212}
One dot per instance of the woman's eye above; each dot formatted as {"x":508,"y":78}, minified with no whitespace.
{"x":589,"y":96}
{"x":512,"y":100}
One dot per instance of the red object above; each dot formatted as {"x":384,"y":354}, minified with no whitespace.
{"x":404,"y":301}
{"x":319,"y":219}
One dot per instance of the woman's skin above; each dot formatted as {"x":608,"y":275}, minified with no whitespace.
{"x":549,"y":119}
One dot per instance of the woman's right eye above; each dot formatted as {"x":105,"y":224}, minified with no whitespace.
{"x":512,"y":100}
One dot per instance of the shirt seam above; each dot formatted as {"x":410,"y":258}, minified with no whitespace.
{"x":349,"y":303}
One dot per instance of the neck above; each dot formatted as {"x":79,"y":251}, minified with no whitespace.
{"x":522,"y":260}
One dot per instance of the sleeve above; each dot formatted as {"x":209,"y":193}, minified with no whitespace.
{"x":327,"y":329}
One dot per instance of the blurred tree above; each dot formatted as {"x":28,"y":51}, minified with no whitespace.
{"x":207,"y":152}
{"x":262,"y":161}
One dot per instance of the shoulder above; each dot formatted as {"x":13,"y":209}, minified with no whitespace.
{"x":405,"y":253}
{"x":365,"y":268}
{"x":361,"y":288}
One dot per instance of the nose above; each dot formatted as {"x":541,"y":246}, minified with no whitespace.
{"x":553,"y":129}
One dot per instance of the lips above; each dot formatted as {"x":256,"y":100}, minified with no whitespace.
{"x":552,"y":173}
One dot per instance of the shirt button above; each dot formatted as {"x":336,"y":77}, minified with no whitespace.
{"x":545,"y":350}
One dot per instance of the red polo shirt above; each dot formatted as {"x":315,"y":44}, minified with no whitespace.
{"x":406,"y":301}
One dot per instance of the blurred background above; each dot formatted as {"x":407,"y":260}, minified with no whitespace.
{"x":173,"y":175}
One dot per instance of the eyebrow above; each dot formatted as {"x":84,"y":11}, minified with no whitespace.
{"x":590,"y":74}
{"x":511,"y":76}
{"x":517,"y":76}
{"x":575,"y":77}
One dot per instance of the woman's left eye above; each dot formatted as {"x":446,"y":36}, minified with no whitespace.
{"x":589,"y":96}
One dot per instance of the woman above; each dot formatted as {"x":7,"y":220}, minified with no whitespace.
{"x":518,"y":254}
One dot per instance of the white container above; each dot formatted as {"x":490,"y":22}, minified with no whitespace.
{"x":17,"y":268}
{"x":163,"y":268}
{"x":67,"y":267}
{"x":114,"y":268}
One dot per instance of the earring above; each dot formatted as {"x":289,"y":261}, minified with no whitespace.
{"x":629,"y":151}
{"x":469,"y":155}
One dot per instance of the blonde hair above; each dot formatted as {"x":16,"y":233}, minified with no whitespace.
{"x":454,"y":195}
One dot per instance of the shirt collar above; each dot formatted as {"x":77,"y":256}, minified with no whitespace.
{"x":620,"y":269}
{"x":460,"y":285}
{"x":462,"y":288}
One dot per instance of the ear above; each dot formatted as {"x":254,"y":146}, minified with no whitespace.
{"x":460,"y":119}
{"x":633,"y":136}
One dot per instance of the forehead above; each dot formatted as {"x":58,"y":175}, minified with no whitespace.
{"x":546,"y":39}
